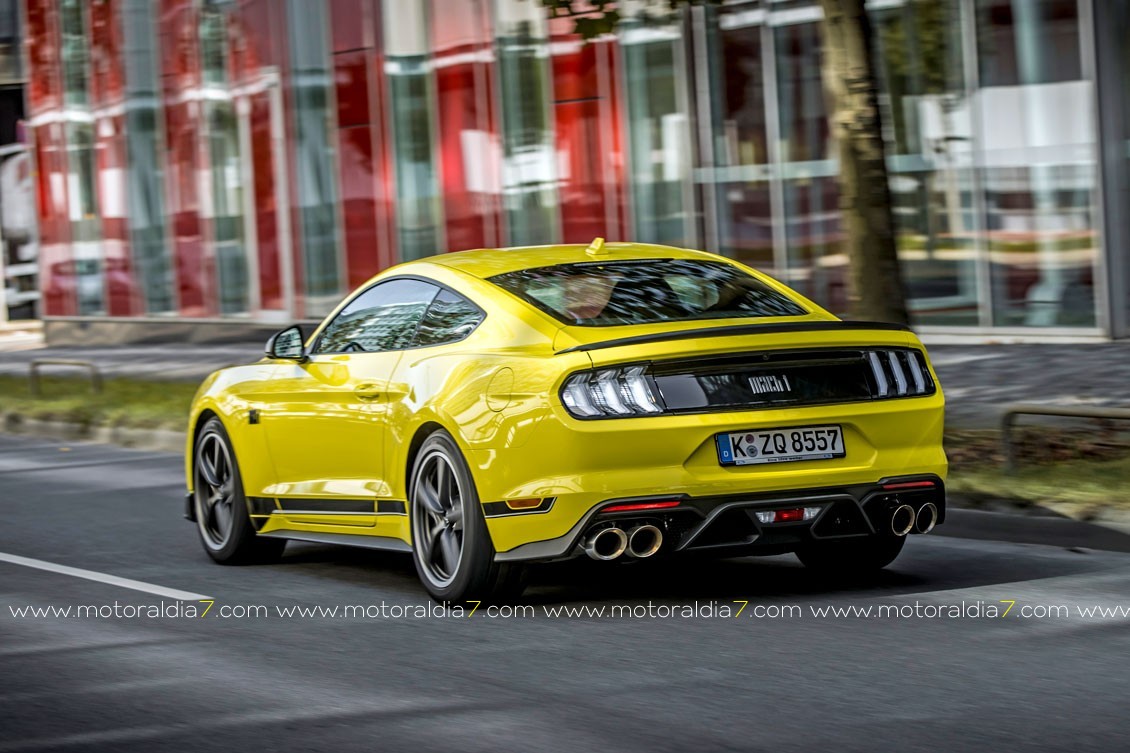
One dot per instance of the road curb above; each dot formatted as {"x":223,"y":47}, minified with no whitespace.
{"x":165,"y":440}
{"x":1047,"y":530}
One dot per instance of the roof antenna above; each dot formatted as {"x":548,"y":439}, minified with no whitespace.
{"x":596,"y":248}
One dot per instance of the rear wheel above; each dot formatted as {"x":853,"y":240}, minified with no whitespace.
{"x":451,"y":546}
{"x":220,"y":506}
{"x":849,"y":557}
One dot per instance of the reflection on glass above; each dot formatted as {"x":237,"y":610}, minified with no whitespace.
{"x":151,"y":253}
{"x":646,"y":292}
{"x":816,"y":265}
{"x":528,"y":170}
{"x":587,"y":123}
{"x":658,"y":129}
{"x":1039,"y":163}
{"x":11,"y":64}
{"x":1112,"y":19}
{"x":384,"y":317}
{"x":314,"y":163}
{"x":74,"y":53}
{"x":450,"y":318}
{"x":223,"y":150}
{"x":930,"y":156}
{"x":86,"y":232}
{"x":409,"y":70}
{"x":464,"y":66}
{"x":741,"y":150}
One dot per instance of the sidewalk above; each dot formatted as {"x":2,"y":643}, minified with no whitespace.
{"x":978,"y":379}
{"x":187,"y":363}
{"x":21,"y":334}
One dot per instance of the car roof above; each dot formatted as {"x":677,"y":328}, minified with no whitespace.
{"x":487,"y":262}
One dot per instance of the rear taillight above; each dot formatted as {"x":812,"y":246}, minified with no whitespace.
{"x":626,"y":391}
{"x":899,"y":373}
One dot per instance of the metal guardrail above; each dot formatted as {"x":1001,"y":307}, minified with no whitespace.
{"x":1065,"y":411}
{"x":37,"y":364}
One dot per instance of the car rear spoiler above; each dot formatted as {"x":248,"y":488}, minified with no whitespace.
{"x":740,"y":329}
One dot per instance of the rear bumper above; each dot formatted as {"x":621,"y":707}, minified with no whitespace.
{"x":729,"y":524}
{"x":581,"y":465}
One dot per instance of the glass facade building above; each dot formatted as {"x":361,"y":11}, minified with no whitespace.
{"x":253,"y":160}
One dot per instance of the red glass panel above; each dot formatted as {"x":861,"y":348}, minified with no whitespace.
{"x":107,"y":90}
{"x":266,"y":209}
{"x":587,"y":114}
{"x":106,"y":62}
{"x":57,"y":275}
{"x":468,"y":138}
{"x":123,"y":297}
{"x":257,"y":53}
{"x":178,"y":45}
{"x":359,"y":204}
{"x":364,"y":177}
{"x":43,"y":82}
{"x":352,"y":83}
{"x":347,"y":25}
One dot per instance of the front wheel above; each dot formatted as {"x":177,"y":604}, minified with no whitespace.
{"x":220,"y":506}
{"x":451,"y":546}
{"x":851,"y":557}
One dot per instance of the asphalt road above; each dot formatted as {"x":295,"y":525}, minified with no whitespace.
{"x":532,"y":683}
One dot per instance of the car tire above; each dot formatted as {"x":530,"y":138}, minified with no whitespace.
{"x":851,"y":557}
{"x":451,"y":547}
{"x":219,"y":504}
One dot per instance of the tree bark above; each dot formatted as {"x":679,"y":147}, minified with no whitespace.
{"x":876,"y":290}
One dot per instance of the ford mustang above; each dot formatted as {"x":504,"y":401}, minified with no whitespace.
{"x":489,"y":409}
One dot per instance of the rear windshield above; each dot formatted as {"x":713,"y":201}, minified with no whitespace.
{"x":602,"y":294}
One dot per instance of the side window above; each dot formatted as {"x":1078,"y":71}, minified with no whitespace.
{"x":384,"y":317}
{"x":451,"y":317}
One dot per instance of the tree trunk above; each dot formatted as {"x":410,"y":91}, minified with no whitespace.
{"x":876,"y":291}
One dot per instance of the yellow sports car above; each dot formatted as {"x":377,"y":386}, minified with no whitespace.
{"x":488,"y":409}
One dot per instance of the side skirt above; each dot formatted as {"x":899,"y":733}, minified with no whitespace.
{"x":386,"y":543}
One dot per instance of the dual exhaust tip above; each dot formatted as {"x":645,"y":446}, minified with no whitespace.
{"x":609,"y":543}
{"x":904,"y":519}
{"x":643,"y":541}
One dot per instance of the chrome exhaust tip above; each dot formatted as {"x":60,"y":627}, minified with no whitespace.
{"x":902,"y":520}
{"x":606,"y":544}
{"x":644,"y":541}
{"x":926,"y":518}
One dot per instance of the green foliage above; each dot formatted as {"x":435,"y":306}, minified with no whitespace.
{"x":916,"y":41}
{"x":1080,"y":489}
{"x":1075,"y":472}
{"x":123,"y":402}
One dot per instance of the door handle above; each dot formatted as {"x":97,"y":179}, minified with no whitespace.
{"x":369,"y":391}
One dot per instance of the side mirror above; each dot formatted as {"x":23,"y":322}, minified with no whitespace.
{"x":287,"y":344}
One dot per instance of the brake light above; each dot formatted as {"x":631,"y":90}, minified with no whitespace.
{"x":637,"y":506}
{"x":909,"y":485}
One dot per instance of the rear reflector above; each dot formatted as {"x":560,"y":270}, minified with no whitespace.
{"x":637,"y":506}
{"x":522,"y":504}
{"x":910,"y":485}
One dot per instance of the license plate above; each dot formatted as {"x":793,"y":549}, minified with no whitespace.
{"x":780,"y":445}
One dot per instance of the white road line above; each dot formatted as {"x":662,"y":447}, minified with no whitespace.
{"x":113,"y":580}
